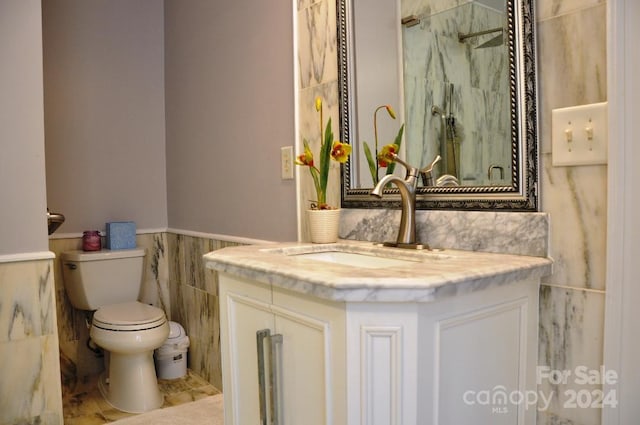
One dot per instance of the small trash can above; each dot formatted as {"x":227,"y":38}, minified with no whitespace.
{"x":171,"y":357}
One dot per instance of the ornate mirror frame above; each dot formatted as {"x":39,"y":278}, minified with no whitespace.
{"x":522,"y":194}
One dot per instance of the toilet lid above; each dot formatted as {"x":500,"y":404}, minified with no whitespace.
{"x":130,"y":316}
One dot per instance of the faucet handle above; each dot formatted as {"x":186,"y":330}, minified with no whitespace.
{"x":427,"y":172}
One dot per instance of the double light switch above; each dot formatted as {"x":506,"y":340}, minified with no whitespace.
{"x":579,"y":135}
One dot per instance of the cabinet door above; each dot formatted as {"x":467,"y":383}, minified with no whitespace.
{"x":310,"y":361}
{"x":244,"y":312}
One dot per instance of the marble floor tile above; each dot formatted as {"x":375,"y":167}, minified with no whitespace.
{"x":83,"y":404}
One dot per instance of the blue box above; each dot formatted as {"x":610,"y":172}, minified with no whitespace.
{"x":121,"y":235}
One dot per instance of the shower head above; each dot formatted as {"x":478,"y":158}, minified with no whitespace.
{"x":495,"y":41}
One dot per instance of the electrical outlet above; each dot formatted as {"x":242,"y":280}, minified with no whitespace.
{"x":286,"y":162}
{"x":579,"y":135}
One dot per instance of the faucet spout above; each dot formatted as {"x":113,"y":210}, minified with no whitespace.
{"x":407,"y":188}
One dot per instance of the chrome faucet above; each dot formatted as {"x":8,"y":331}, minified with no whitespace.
{"x":407,"y":188}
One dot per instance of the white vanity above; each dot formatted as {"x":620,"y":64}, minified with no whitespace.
{"x":351,"y":333}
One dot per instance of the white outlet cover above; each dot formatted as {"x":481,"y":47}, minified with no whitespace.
{"x":286,"y":162}
{"x":570,"y":133}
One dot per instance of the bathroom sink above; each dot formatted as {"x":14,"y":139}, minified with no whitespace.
{"x":355,"y":259}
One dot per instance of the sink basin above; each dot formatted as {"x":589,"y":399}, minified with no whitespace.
{"x":355,"y":259}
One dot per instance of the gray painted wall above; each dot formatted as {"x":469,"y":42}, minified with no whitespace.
{"x":197,"y":148}
{"x":230,"y":107}
{"x":22,"y":177}
{"x":104,"y":112}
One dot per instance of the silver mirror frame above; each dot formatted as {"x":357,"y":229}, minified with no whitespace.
{"x":522,"y":194}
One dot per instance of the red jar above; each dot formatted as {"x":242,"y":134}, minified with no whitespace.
{"x":91,"y":240}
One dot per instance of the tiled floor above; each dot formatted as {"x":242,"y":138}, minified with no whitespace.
{"x":83,"y":405}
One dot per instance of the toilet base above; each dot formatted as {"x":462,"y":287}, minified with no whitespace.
{"x":132,"y":385}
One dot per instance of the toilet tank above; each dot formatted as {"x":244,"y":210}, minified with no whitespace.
{"x":97,"y":278}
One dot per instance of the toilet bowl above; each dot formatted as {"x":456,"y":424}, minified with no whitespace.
{"x":130,"y":332}
{"x":108,"y":283}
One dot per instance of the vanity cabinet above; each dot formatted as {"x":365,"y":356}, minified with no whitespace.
{"x":454,"y":360}
{"x":281,"y":356}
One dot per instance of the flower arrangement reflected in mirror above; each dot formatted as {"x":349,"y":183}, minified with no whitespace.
{"x":378,"y":159}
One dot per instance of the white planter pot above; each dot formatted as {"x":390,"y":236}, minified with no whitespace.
{"x":324,"y":225}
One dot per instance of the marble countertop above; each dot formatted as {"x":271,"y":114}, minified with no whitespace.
{"x":426,"y":276}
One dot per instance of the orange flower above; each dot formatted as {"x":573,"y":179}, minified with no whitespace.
{"x":340,"y":151}
{"x":387,"y":154}
{"x":306,"y":158}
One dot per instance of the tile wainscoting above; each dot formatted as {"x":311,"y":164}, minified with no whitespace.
{"x":174,"y":280}
{"x":30,"y":369}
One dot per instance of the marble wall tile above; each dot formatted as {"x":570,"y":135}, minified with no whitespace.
{"x":317,"y":52}
{"x":571,"y":336}
{"x":572,"y":71}
{"x":30,"y":386}
{"x":576,"y":199}
{"x":546,"y":9}
{"x":574,"y":196}
{"x":202,"y":324}
{"x":27,"y":309}
{"x":194,"y":301}
{"x":155,"y":280}
{"x":572,"y":67}
{"x":513,"y":233}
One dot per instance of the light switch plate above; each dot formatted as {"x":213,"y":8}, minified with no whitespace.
{"x":579,"y":135}
{"x":286,"y":162}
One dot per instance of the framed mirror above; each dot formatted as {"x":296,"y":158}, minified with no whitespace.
{"x":456,"y":81}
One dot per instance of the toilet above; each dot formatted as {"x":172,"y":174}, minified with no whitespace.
{"x":108,"y":283}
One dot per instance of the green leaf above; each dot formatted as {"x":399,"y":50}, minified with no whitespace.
{"x":314,"y":174}
{"x":325,"y":157}
{"x":397,"y":141}
{"x":371,"y":162}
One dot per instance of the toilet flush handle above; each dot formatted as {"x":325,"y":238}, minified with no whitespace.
{"x":71,"y":266}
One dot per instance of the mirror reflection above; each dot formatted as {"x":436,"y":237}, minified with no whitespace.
{"x":460,"y":80}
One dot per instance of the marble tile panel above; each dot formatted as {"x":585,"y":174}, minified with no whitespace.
{"x":568,"y":75}
{"x":155,"y":283}
{"x":576,"y":199}
{"x":30,"y":385}
{"x":512,"y":233}
{"x":202,"y":324}
{"x":317,"y":44}
{"x":194,"y":249}
{"x":302,"y":4}
{"x":546,"y":9}
{"x":175,"y":256}
{"x":27,"y":308}
{"x":570,"y":336}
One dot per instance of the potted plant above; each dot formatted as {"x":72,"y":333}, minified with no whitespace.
{"x":323,"y":218}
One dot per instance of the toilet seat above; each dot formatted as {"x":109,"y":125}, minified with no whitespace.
{"x":130,"y":316}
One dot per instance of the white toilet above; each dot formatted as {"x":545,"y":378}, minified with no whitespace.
{"x":109,"y":283}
